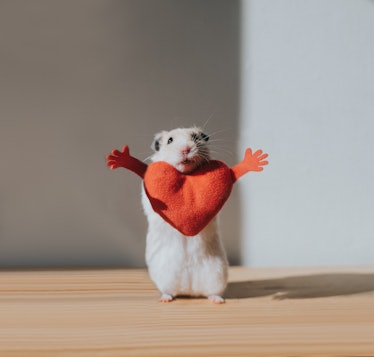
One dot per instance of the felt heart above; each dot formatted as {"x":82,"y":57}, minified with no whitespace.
{"x":188,"y":202}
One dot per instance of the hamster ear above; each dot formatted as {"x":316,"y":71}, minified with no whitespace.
{"x":204,"y":136}
{"x":156,"y":142}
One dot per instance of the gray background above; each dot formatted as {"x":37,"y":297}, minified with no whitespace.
{"x":79,"y":78}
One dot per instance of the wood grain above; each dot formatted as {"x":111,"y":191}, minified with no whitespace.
{"x":115,"y":312}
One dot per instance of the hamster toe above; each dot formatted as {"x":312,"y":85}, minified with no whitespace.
{"x":216,"y":299}
{"x":165,"y":298}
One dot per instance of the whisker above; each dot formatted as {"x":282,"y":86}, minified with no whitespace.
{"x":145,"y":153}
{"x":219,"y":132}
{"x":208,"y":120}
{"x":227,"y":154}
{"x":147,"y":158}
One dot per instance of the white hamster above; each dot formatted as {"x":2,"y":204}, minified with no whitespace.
{"x":180,"y":265}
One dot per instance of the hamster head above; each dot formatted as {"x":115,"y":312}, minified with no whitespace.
{"x":185,"y":149}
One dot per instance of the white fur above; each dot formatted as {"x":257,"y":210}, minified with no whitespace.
{"x":174,"y":153}
{"x":180,"y":265}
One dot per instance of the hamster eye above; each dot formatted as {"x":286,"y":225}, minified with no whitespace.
{"x":170,"y":140}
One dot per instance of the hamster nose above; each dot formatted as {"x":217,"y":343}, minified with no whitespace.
{"x":186,"y":150}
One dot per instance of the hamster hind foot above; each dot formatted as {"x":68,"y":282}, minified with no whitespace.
{"x":216,"y":299}
{"x":166,"y":298}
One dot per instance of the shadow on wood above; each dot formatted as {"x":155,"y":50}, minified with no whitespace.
{"x":303,"y":287}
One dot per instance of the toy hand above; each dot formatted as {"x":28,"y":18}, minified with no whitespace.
{"x":119,"y":158}
{"x":124,"y":159}
{"x":251,"y":162}
{"x":254,"y":162}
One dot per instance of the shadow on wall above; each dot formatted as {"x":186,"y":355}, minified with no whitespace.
{"x":80,"y":79}
{"x":303,"y":287}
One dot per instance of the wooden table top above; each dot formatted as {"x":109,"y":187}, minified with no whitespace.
{"x":115,"y":312}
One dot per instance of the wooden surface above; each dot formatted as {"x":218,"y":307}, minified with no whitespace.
{"x":115,"y":312}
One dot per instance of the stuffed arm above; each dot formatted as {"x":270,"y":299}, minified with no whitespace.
{"x":251,"y":162}
{"x":124,"y":159}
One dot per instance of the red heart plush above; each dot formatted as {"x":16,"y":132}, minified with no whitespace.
{"x":188,"y":202}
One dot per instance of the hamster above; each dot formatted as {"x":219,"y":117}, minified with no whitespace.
{"x":177,"y":264}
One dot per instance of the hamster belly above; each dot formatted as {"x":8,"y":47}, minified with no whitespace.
{"x":180,"y":265}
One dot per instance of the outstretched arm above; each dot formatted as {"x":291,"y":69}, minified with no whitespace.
{"x":124,"y":159}
{"x":251,"y":162}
